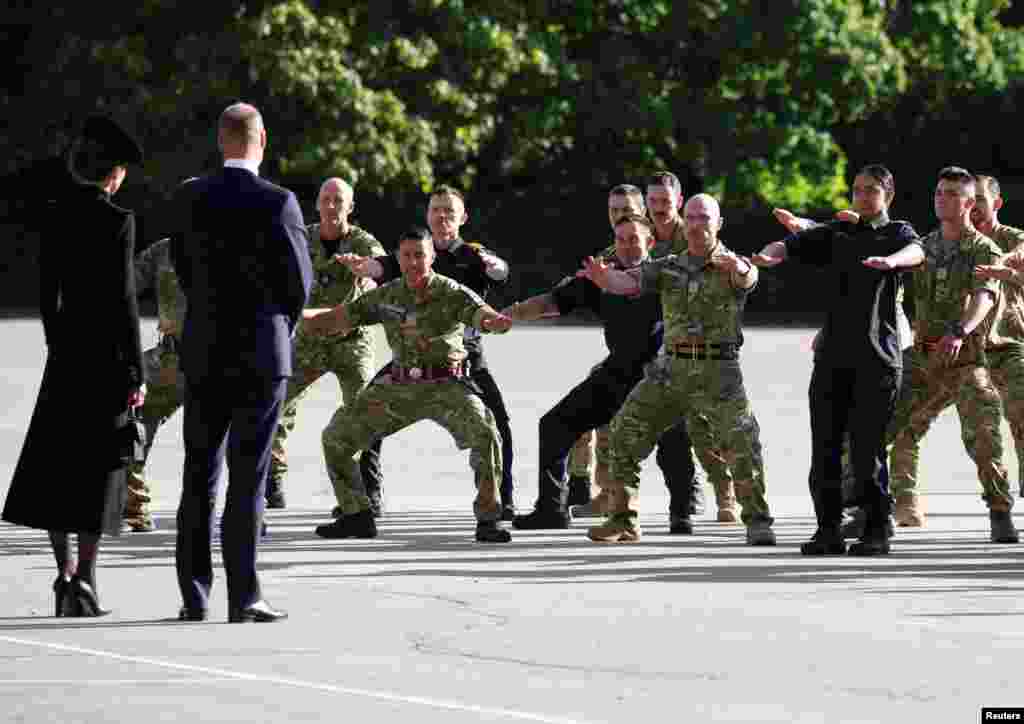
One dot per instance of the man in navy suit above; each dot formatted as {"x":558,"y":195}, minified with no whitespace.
{"x":242,"y":260}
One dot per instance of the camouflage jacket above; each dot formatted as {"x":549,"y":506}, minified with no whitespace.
{"x":697,"y":300}
{"x":943,"y":284}
{"x":333,"y":283}
{"x":153,"y":270}
{"x":424,"y":327}
{"x":1009,"y":325}
{"x":675,"y":244}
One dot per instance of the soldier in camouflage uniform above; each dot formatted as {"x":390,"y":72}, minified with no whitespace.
{"x":350,"y":357}
{"x":625,"y":200}
{"x":424,"y":315}
{"x":952,"y":329}
{"x":1005,"y":349}
{"x":698,"y":376}
{"x":154,"y":272}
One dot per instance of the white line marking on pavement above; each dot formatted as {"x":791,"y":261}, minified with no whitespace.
{"x":312,"y":685}
{"x":103,"y":682}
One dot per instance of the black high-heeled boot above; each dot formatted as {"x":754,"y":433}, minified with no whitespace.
{"x":84,"y":601}
{"x":61,"y":603}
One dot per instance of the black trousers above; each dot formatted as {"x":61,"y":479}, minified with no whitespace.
{"x":369,"y":460}
{"x":232,"y":418}
{"x":589,"y":405}
{"x":858,"y":400}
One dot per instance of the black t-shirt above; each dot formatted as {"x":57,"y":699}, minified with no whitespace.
{"x":860,"y":306}
{"x":632,"y":325}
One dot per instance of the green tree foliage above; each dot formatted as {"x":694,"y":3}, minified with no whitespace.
{"x":741,"y":96}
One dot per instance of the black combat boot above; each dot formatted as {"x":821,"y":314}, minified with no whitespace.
{"x":680,"y":524}
{"x":1003,"y":529}
{"x":542,"y":519}
{"x":275,"y":494}
{"x":579,"y":490}
{"x":825,"y":542}
{"x":353,"y":525}
{"x":489,"y":531}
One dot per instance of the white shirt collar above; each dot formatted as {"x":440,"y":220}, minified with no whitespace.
{"x":252,"y":167}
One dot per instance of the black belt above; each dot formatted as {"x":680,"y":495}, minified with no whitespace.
{"x":725,"y":351}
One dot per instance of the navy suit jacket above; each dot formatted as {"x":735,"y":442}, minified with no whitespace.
{"x":242,"y":258}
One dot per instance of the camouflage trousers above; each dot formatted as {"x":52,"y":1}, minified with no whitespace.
{"x":1006,"y":367}
{"x":165,"y":392}
{"x":590,"y":457}
{"x":385,"y":408}
{"x":351,"y":365}
{"x":710,"y":396}
{"x":928,"y":389}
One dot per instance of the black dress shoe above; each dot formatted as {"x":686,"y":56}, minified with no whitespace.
{"x":192,"y":614}
{"x":259,"y":612}
{"x":679,"y":524}
{"x":541,"y":519}
{"x":83,"y":601}
{"x":488,"y":531}
{"x":508,"y":511}
{"x":354,"y":525}
{"x":61,"y":604}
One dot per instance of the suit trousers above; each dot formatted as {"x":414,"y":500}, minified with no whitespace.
{"x":230,"y":417}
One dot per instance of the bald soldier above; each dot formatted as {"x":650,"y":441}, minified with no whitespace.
{"x":348,"y":357}
{"x":697,"y":376}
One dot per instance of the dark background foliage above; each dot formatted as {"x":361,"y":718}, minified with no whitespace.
{"x":535,"y":108}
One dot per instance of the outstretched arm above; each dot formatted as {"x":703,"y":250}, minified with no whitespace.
{"x":611,"y":280}
{"x":542,"y":305}
{"x":325,"y":322}
{"x":361,"y":266}
{"x":489,"y":320}
{"x":909,"y":256}
{"x":772,"y":255}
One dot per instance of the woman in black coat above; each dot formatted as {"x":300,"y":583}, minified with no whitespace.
{"x":93,"y":373}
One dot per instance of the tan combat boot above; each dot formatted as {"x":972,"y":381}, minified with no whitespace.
{"x":725,"y":497}
{"x":908,"y":511}
{"x":618,"y":528}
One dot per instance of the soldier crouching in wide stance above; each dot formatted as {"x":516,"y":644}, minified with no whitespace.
{"x":423,"y":315}
{"x":703,"y":292}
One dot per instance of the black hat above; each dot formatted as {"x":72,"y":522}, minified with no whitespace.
{"x":117,"y":145}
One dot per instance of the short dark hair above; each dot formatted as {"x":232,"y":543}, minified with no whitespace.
{"x":636,"y":219}
{"x":446,"y":190}
{"x":960,"y":175}
{"x":882,"y":175}
{"x":415,"y":233}
{"x":989,"y":183}
{"x":956,"y":173}
{"x":666,"y":178}
{"x":89,"y":161}
{"x":626,"y":190}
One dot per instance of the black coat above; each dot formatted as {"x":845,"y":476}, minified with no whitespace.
{"x":68,"y":476}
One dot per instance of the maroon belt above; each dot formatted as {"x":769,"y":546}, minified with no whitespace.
{"x":411,"y":375}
